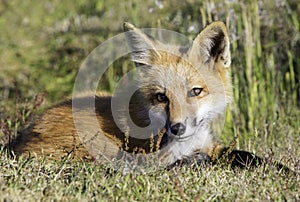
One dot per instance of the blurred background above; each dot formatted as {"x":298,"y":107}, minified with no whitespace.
{"x":43,"y":43}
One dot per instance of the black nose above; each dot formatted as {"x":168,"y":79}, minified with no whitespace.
{"x":178,"y":129}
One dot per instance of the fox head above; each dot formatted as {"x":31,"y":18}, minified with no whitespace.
{"x":185,"y":87}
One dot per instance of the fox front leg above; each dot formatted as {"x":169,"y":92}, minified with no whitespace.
{"x":200,"y":159}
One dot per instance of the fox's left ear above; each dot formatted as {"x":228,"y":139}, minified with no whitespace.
{"x":142,"y":47}
{"x":212,"y":44}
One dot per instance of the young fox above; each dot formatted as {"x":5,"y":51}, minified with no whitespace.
{"x":181,"y":90}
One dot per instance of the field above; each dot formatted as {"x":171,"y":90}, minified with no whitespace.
{"x":43,"y":43}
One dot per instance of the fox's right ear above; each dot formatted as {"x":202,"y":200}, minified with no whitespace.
{"x":141,"y":45}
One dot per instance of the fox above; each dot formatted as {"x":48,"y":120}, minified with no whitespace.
{"x":181,"y":90}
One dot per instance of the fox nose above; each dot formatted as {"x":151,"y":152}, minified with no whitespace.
{"x":178,"y":129}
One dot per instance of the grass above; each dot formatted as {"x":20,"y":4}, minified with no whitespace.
{"x":41,"y":51}
{"x":30,"y":179}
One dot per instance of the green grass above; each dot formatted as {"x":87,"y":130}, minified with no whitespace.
{"x":30,"y":179}
{"x":42,"y":45}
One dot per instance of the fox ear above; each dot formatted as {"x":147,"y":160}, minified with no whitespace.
{"x":213,"y":44}
{"x":142,"y":46}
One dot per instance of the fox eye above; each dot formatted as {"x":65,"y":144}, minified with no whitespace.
{"x":196,"y":91}
{"x":161,"y":97}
